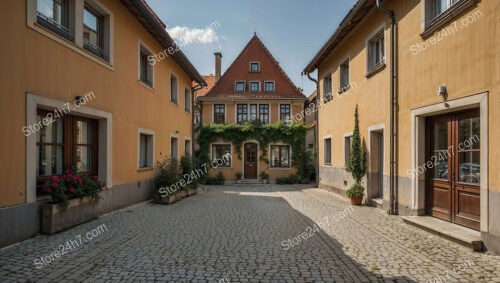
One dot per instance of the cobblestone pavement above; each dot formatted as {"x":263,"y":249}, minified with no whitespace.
{"x":241,"y":234}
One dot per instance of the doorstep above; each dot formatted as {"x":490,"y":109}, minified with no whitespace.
{"x":459,"y":234}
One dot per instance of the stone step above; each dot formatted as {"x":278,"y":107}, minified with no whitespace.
{"x":459,"y":234}
{"x":250,"y":182}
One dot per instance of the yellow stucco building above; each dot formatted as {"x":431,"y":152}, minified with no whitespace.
{"x":429,"y":78}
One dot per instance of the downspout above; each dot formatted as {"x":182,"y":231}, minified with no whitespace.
{"x":393,"y":182}
{"x":316,"y":132}
{"x":193,"y":105}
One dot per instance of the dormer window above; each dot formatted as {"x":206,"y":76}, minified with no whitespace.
{"x":254,"y":67}
{"x":269,"y":86}
{"x":254,"y":86}
{"x":239,"y":86}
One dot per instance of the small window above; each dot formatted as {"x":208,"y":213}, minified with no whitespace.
{"x":239,"y":86}
{"x":54,"y":15}
{"x":269,"y":86}
{"x":187,"y":147}
{"x":347,"y":150}
{"x":254,"y":67}
{"x":327,"y":86}
{"x":174,"y":148}
{"x":221,"y":154}
{"x":254,"y":86}
{"x":439,"y":6}
{"x":328,"y":151}
{"x":344,"y":74}
{"x":242,"y":113}
{"x":285,"y":112}
{"x":145,"y":150}
{"x":280,"y":156}
{"x":187,"y":100}
{"x":219,"y":113}
{"x":264,"y":113}
{"x":174,"y":97}
{"x":93,"y":32}
{"x":145,"y":69}
{"x":376,"y":52}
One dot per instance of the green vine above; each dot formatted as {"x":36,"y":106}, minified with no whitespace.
{"x":237,"y":134}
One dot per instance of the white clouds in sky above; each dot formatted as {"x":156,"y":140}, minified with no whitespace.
{"x":187,"y":35}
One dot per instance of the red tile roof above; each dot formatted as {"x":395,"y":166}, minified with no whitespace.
{"x":210,"y":80}
{"x":270,"y":70}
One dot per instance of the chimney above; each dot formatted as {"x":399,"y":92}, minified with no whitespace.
{"x":218,"y":62}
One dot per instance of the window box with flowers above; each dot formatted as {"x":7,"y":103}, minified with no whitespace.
{"x":74,"y":201}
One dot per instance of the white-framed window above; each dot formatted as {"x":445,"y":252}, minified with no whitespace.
{"x":187,"y":147}
{"x":328,"y":150}
{"x":439,"y":6}
{"x":344,"y":74}
{"x":239,"y":86}
{"x":221,"y":155}
{"x":174,"y":147}
{"x":376,"y":50}
{"x":55,"y":15}
{"x":146,"y":70}
{"x":285,"y":112}
{"x":174,"y":96}
{"x":280,"y":156}
{"x":347,"y":150}
{"x":146,"y":149}
{"x":327,"y":86}
{"x":219,"y":113}
{"x":187,"y":100}
{"x":269,"y":86}
{"x":254,"y":67}
{"x":254,"y":86}
{"x":264,"y":113}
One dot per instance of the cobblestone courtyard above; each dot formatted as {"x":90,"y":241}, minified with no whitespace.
{"x":236,"y":234}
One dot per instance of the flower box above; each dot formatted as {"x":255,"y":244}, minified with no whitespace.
{"x":165,"y":200}
{"x":56,"y":218}
{"x":192,"y":192}
{"x":180,"y":194}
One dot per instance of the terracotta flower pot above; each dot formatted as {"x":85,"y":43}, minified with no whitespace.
{"x":356,"y":200}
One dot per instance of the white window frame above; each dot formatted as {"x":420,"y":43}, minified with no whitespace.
{"x":274,"y":86}
{"x":187,"y":100}
{"x":347,"y":149}
{"x":151,"y":67}
{"x":250,"y":86}
{"x":345,"y":62}
{"x":174,"y":136}
{"x":173,"y":76}
{"x":374,"y":38}
{"x":271,"y":160}
{"x":151,"y":152}
{"x":328,"y":76}
{"x":190,"y":148}
{"x":244,"y":86}
{"x":279,"y":111}
{"x":324,"y":150}
{"x":250,"y":67}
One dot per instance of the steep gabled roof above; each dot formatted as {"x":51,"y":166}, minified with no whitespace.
{"x":351,"y":20}
{"x":270,"y":70}
{"x":152,"y":23}
{"x":210,"y":82}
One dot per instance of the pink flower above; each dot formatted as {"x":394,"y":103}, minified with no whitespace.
{"x":54,"y":178}
{"x":49,"y":190}
{"x":71,"y":190}
{"x":54,"y":185}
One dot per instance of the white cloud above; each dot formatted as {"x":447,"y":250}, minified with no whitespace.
{"x":186,"y":35}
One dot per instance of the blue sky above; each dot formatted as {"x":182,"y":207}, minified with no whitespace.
{"x":292,"y":30}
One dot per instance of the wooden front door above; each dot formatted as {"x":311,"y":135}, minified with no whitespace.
{"x":453,"y":168}
{"x":250,"y":161}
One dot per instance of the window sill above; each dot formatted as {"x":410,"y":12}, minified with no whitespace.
{"x":375,"y":69}
{"x":280,"y":168}
{"x":327,"y":164}
{"x":146,"y":85}
{"x":438,"y":22}
{"x":175,"y":104}
{"x":343,"y":89}
{"x":187,"y":113}
{"x":144,"y":169}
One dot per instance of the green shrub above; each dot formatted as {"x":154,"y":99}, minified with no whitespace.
{"x":355,"y":190}
{"x":217,"y":180}
{"x":293,"y":179}
{"x":264,"y":176}
{"x":167,"y":173}
{"x":238,"y":175}
{"x":188,"y":173}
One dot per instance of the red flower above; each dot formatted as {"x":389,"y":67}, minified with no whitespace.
{"x":54,"y":185}
{"x":71,"y":190}
{"x":54,"y":178}
{"x":49,"y":190}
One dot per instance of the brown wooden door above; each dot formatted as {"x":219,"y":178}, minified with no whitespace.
{"x":250,"y":161}
{"x":453,"y":168}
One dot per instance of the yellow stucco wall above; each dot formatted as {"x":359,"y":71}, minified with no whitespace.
{"x":31,"y":62}
{"x":467,"y":62}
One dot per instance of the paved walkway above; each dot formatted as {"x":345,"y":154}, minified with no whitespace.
{"x":247,"y":234}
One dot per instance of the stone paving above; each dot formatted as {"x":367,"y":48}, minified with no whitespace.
{"x":241,"y":234}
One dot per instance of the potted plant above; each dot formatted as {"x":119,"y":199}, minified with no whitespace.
{"x":238,"y":175}
{"x":167,"y":173}
{"x":264,"y":176}
{"x":74,"y":201}
{"x":357,"y":164}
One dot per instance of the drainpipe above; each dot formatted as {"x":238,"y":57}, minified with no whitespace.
{"x":193,"y":105}
{"x":393,"y":182}
{"x":316,"y":134}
